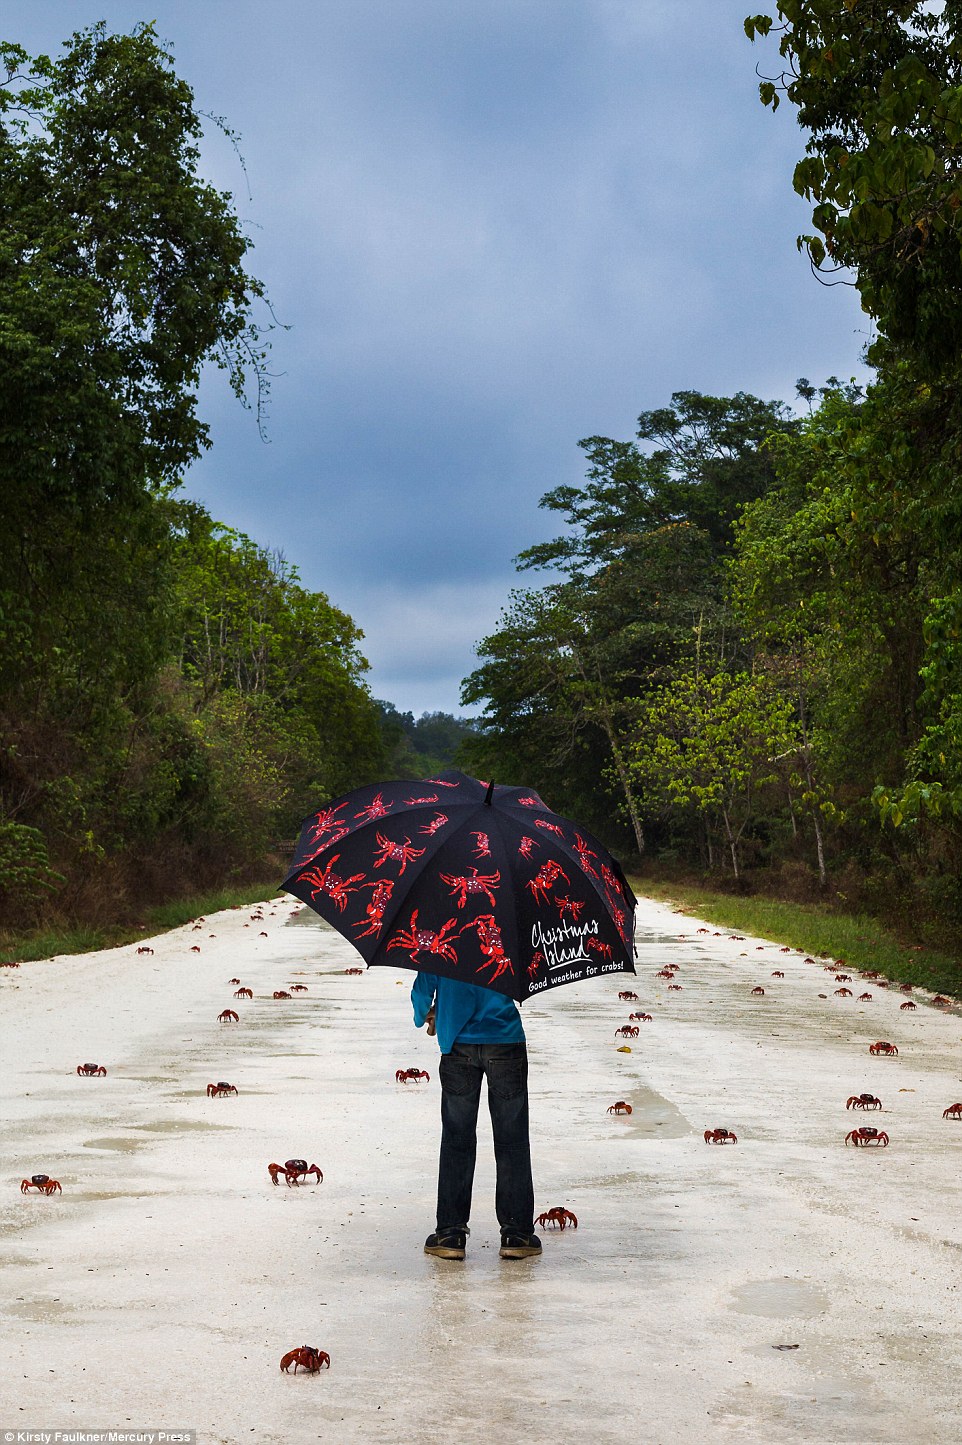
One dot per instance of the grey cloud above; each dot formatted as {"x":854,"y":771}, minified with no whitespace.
{"x":495,"y":226}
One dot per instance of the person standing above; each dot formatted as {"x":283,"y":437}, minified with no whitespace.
{"x":480,"y":1036}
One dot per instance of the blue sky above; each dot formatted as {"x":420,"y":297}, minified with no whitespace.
{"x":494,"y":227}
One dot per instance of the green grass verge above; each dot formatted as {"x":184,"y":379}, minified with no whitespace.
{"x":861,"y":941}
{"x":46,"y":942}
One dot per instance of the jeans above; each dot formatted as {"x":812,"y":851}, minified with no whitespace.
{"x":461,"y":1071}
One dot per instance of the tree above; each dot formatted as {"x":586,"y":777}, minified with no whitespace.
{"x":121,"y":273}
{"x":878,"y":86}
{"x":709,"y":745}
{"x":705,"y":460}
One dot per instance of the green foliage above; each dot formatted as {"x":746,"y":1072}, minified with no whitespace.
{"x":172,"y":700}
{"x":709,"y":745}
{"x":418,"y":747}
{"x":25,"y":871}
{"x":878,"y":88}
{"x":642,"y":555}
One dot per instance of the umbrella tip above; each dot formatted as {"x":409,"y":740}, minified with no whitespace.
{"x":487,"y":796}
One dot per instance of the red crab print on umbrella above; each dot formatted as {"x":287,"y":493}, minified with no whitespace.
{"x":471,"y":880}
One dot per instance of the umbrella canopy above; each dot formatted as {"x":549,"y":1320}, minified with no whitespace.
{"x":475,"y":882}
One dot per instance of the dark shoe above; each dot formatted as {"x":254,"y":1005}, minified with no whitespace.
{"x":520,"y":1246}
{"x":449,"y":1245}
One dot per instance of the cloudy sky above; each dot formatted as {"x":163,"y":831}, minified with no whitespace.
{"x":494,"y":227}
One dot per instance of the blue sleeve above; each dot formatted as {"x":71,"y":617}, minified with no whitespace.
{"x":422,"y":996}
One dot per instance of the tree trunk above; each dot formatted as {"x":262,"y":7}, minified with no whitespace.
{"x":819,"y":848}
{"x":620,"y":766}
{"x":732,"y":845}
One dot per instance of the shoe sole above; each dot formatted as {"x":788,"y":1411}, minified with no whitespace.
{"x":440,"y":1252}
{"x":520,"y":1252}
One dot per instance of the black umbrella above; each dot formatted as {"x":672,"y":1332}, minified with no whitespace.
{"x":476,"y":882}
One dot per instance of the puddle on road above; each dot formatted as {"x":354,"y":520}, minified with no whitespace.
{"x":124,"y":1146}
{"x":307,"y":918}
{"x":652,"y":1116}
{"x":176,"y":1126}
{"x":779,"y":1299}
{"x":41,"y":1309}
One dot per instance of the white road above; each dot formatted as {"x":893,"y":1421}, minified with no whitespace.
{"x":161,"y":1288}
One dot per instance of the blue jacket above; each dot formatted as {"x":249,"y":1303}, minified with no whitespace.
{"x":464,"y":1013}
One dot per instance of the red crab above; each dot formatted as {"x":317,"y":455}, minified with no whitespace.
{"x":421,"y":802}
{"x":843,"y":978}
{"x":677,"y":988}
{"x":843,"y":992}
{"x":602,"y":949}
{"x":89,"y":1070}
{"x":374,"y":809}
{"x":527,"y":845}
{"x":42,"y":1183}
{"x":537,"y":959}
{"x":584,"y":854}
{"x":281,"y":993}
{"x":477,"y":883}
{"x":243,"y":993}
{"x":869,"y":1138}
{"x":863,"y":1101}
{"x":778,"y":973}
{"x":145,"y":949}
{"x":482,"y":848}
{"x":864,"y":998}
{"x":423,"y":940}
{"x":645,"y":1018}
{"x":883,"y":1047}
{"x":954,"y":1111}
{"x":573,"y":907}
{"x":758,"y":992}
{"x":908,"y":1004}
{"x":412,"y":1076}
{"x":354,"y":970}
{"x":627,"y":1031}
{"x":327,"y":821}
{"x":298,"y":987}
{"x":548,"y":827}
{"x":215,"y":1091}
{"x":665,"y":973}
{"x":392,"y":852}
{"x":627,"y":996}
{"x":611,"y":882}
{"x":308,"y":1357}
{"x":376,"y":908}
{"x":545,"y":878}
{"x":228,"y":1017}
{"x":720,"y":1136}
{"x":492,"y":945}
{"x":233,"y":980}
{"x":941,"y":999}
{"x":620,"y":1108}
{"x":905,"y":988}
{"x":561,"y":1217}
{"x":435,"y":825}
{"x":294,"y":1170}
{"x":327,"y":881}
